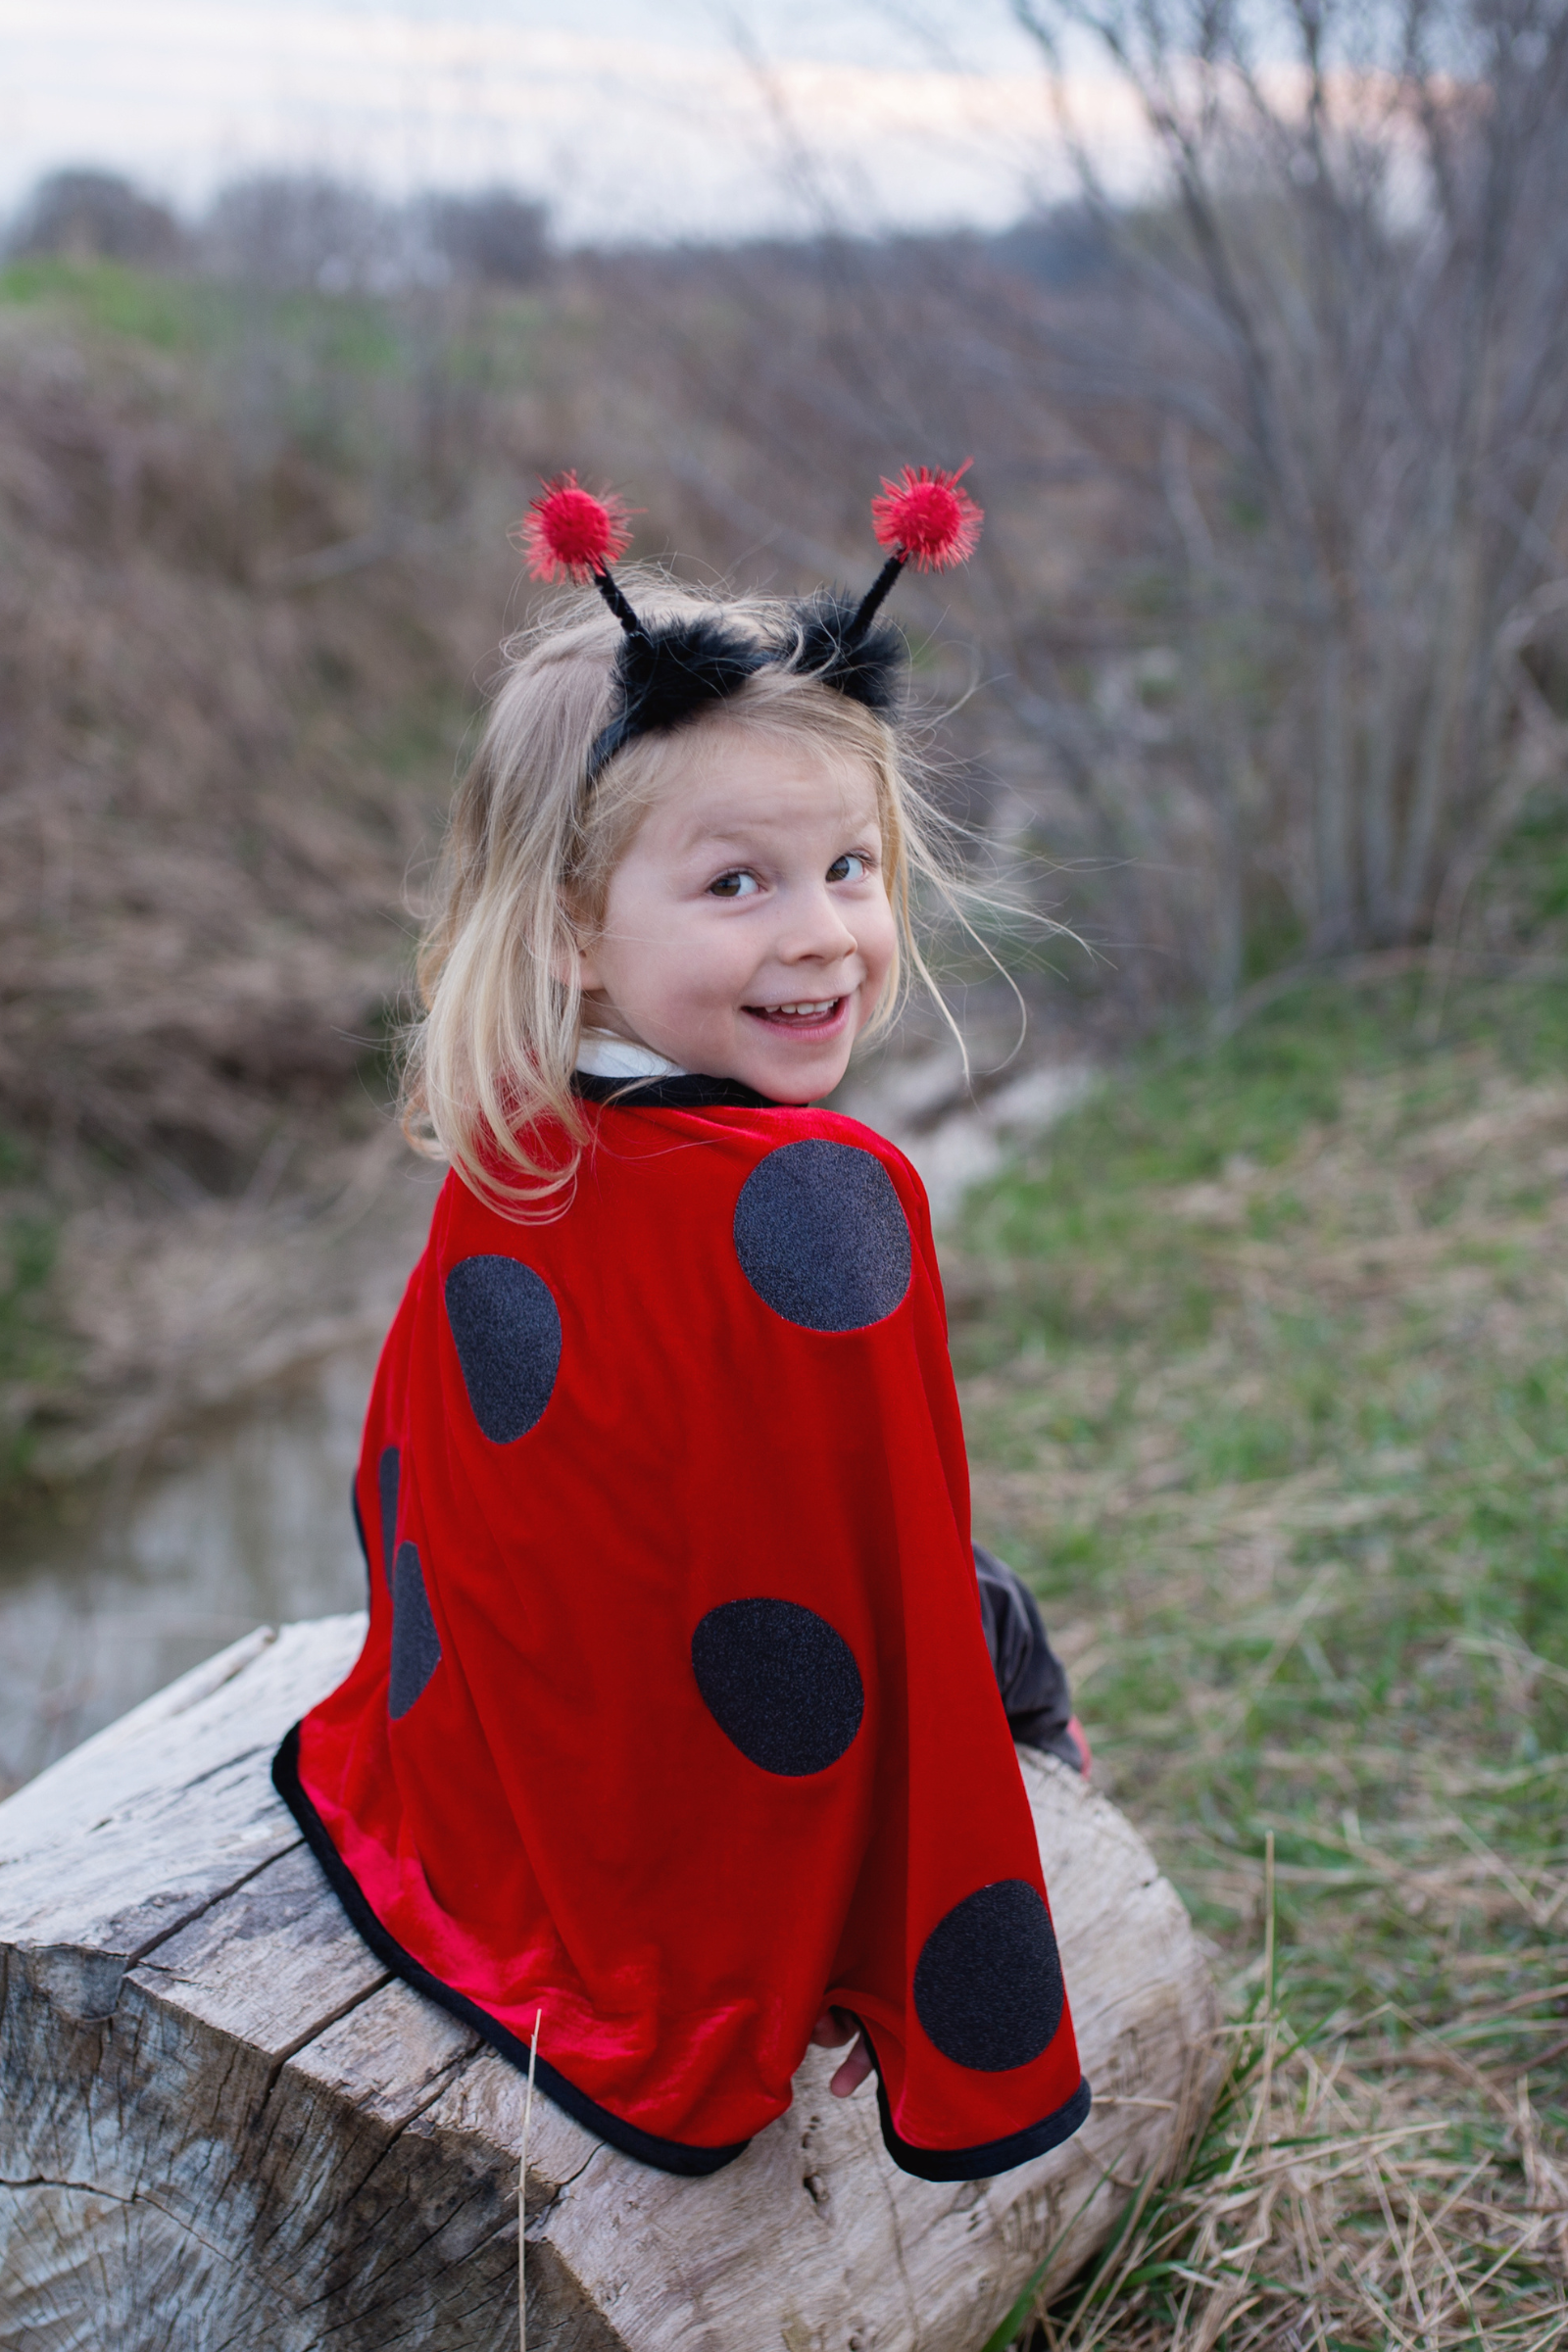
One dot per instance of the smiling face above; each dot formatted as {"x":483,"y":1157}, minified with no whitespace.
{"x":746,"y":930}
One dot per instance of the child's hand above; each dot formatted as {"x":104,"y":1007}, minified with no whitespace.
{"x":832,"y":2030}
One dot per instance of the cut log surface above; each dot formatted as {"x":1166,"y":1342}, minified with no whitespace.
{"x":224,"y":2126}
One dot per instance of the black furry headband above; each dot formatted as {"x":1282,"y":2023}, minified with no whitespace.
{"x":668,"y":671}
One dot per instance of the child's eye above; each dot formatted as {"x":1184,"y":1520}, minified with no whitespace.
{"x":733,"y":886}
{"x":850,"y":867}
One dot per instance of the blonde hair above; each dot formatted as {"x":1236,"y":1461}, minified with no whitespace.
{"x":526,"y":868}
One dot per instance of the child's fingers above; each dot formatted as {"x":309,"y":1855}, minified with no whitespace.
{"x":852,"y":2073}
{"x":832,"y":2030}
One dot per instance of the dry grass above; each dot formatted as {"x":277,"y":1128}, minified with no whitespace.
{"x":205,"y":828}
{"x":219,"y":776}
{"x":1268,"y":1372}
{"x":1331,"y":2206}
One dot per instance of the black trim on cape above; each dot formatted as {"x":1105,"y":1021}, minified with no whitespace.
{"x":989,"y":2156}
{"x":359,"y":1530}
{"x":683,"y":1089}
{"x":667,"y":2155}
{"x":979,"y":2163}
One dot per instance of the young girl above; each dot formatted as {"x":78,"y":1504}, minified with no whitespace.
{"x":675,"y":1722}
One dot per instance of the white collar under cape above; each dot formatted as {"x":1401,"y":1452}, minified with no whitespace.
{"x":602,"y":1055}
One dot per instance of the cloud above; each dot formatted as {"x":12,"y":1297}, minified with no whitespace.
{"x":628,"y":137}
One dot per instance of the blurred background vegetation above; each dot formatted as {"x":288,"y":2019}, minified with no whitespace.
{"x":1263,"y":663}
{"x":1258,"y":685}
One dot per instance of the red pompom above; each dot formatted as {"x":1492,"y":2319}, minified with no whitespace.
{"x":566,"y":529}
{"x":928,"y":517}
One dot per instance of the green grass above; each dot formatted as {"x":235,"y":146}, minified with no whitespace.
{"x":491,"y":342}
{"x":171,"y":314}
{"x":1265,"y":1368}
{"x":31,"y":1345}
{"x":195,"y":316}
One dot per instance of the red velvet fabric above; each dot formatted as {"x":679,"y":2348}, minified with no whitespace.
{"x":559,"y":1821}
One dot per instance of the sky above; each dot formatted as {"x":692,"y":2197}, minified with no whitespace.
{"x":660,"y":120}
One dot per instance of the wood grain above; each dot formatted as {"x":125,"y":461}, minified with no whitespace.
{"x":224,"y":2128}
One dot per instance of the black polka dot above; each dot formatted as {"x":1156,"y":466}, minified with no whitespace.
{"x":508,"y":1331}
{"x":386,"y":1484}
{"x":416,"y":1643}
{"x":987,"y":1983}
{"x":780,"y":1683}
{"x":821,"y":1237}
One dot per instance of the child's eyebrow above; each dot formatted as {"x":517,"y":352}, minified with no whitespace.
{"x":726,"y":837}
{"x":743,"y":834}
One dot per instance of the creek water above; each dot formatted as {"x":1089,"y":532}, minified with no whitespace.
{"x":138,"y":1574}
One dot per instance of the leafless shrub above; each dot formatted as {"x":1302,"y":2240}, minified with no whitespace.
{"x":289,"y":231}
{"x":1338,"y":365}
{"x":497,"y":236}
{"x":292,"y":229}
{"x":96,"y":216}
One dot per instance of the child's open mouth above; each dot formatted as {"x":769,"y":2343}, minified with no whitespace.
{"x":810,"y":1014}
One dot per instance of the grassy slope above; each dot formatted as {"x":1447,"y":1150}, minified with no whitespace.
{"x":217,"y":792}
{"x":1266,"y":1366}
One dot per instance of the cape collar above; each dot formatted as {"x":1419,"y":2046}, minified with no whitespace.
{"x":612,"y":1069}
{"x":683,"y":1089}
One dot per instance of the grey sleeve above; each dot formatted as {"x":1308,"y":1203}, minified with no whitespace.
{"x":1030,"y":1676}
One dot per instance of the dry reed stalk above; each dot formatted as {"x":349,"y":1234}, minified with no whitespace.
{"x":522,"y":2192}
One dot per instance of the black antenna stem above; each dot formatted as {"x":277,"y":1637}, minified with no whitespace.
{"x":871,"y":603}
{"x":610,"y":589}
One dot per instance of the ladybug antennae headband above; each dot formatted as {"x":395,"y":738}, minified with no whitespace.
{"x":668,"y":671}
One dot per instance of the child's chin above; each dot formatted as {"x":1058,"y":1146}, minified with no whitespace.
{"x":803,"y":1085}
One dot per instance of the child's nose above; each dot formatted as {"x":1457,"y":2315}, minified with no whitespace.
{"x":819,"y":934}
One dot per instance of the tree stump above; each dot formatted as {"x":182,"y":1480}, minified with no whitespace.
{"x":225,"y":2127}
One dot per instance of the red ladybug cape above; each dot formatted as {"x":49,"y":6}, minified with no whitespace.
{"x":674,"y":1719}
